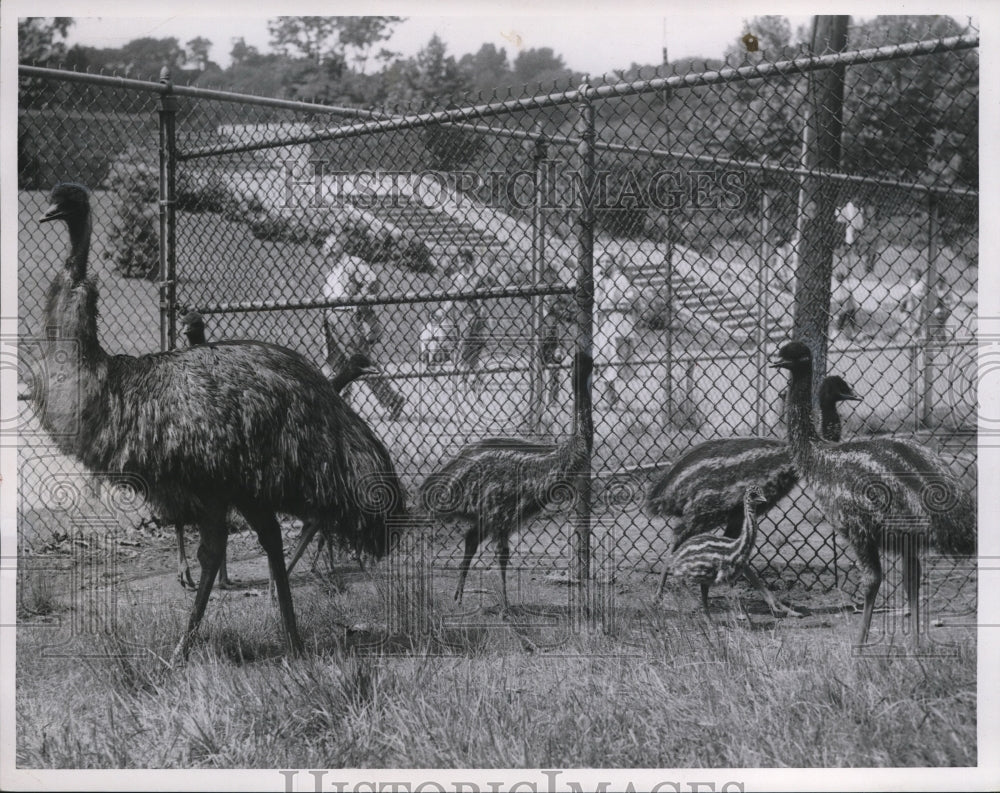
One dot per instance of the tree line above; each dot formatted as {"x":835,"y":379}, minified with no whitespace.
{"x":914,"y":119}
{"x":336,"y":60}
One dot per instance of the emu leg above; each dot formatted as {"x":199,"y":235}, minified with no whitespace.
{"x":704,"y":599}
{"x":663,"y":583}
{"x":872,"y":577}
{"x":773,"y":603}
{"x":224,"y":582}
{"x":471,"y":544}
{"x":211,"y":552}
{"x":503,"y":556}
{"x":309,"y":529}
{"x":911,"y":581}
{"x":324,"y":544}
{"x":268,"y":531}
{"x":183,"y":570}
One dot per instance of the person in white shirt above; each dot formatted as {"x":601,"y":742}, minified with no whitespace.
{"x":941,"y":312}
{"x":844,"y":308}
{"x":912,"y":305}
{"x":615,"y":341}
{"x":437,"y":340}
{"x":354,"y":329}
{"x":853,"y":218}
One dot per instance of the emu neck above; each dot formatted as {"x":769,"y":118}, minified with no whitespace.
{"x":79,"y":247}
{"x":344,"y":378}
{"x":749,"y":534}
{"x":583,"y":422}
{"x":71,"y":309}
{"x":801,"y":432}
{"x":829,"y":421}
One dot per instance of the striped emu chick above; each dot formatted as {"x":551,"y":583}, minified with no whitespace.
{"x":498,"y":485}
{"x":879,"y":492}
{"x":227,"y":425}
{"x":708,"y":559}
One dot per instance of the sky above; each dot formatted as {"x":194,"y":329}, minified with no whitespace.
{"x":596,"y":42}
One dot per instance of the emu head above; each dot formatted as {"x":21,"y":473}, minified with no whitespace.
{"x":794,"y":356}
{"x":359,"y":364}
{"x":835,"y":389}
{"x":194,"y":327}
{"x":67,"y":201}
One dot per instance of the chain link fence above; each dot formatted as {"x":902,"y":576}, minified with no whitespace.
{"x":469,"y":250}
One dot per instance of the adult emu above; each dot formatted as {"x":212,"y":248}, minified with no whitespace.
{"x":357,"y":365}
{"x":497,"y":485}
{"x":232,"y":424}
{"x":706,"y":486}
{"x":880,"y":492}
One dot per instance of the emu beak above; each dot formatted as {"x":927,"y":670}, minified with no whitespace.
{"x":54,"y":212}
{"x":780,"y":363}
{"x":370,"y":370}
{"x":850,"y":397}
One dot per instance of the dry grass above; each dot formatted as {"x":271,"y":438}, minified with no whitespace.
{"x":664,"y":689}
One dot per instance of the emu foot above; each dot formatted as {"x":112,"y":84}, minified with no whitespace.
{"x":783,"y":609}
{"x":180,"y":654}
{"x":185,"y":580}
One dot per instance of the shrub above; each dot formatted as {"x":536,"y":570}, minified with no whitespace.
{"x":135,"y":238}
{"x":376,"y":243}
{"x":133,"y":179}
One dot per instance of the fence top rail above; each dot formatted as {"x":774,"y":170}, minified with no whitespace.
{"x":166,"y":87}
{"x":255,"y":306}
{"x":717,"y":161}
{"x":588,"y":93}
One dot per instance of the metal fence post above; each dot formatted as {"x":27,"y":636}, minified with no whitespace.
{"x":668,"y":336}
{"x":927,"y":336}
{"x":668,"y":333}
{"x":763,"y":307}
{"x":583,"y":403}
{"x":537,"y":374}
{"x":168,"y":218}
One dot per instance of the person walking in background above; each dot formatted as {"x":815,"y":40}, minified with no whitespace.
{"x":941,"y":312}
{"x":462,"y":274}
{"x":784,"y":272}
{"x":614,"y":342}
{"x":354,"y":329}
{"x":912,"y":304}
{"x":472,"y":318}
{"x":843,"y":305}
{"x":437,"y":341}
{"x":853,"y":218}
{"x":553,"y":349}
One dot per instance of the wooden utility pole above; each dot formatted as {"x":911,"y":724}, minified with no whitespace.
{"x":582,"y":403}
{"x":817,"y":228}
